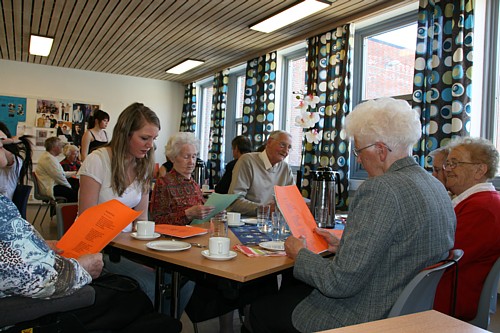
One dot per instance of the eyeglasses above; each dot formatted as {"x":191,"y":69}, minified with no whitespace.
{"x":284,"y":145}
{"x":437,"y":170}
{"x":450,"y":165}
{"x":357,"y":151}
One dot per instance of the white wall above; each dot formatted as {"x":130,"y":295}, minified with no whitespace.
{"x":113,"y":92}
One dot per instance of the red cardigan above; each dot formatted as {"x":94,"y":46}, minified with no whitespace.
{"x":478,"y":234}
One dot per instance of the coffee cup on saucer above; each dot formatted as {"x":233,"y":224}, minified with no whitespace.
{"x":233,"y":218}
{"x":219,"y":246}
{"x":145,"y":228}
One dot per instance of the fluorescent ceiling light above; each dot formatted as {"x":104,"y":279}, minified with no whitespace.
{"x":184,"y":66}
{"x":290,"y":15}
{"x":40,"y":45}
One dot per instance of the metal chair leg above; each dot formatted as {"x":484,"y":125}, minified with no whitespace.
{"x":44,"y":214}
{"x":36,"y":215}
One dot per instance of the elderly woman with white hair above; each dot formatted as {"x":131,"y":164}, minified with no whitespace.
{"x":71,"y":161}
{"x":177,"y":198}
{"x":400,"y":221}
{"x":469,"y":165}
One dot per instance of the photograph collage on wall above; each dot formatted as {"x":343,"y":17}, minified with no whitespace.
{"x":12,"y":111}
{"x":67,"y":120}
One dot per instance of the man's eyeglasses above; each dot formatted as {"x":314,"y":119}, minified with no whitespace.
{"x":450,"y":165}
{"x":357,"y":151}
{"x":284,"y":145}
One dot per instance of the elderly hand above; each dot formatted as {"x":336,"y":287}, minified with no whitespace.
{"x":198,"y":212}
{"x":53,"y":246}
{"x":92,"y":263}
{"x":332,"y":240}
{"x":293,"y":245}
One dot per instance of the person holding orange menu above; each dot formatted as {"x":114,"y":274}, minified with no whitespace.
{"x":34,"y":268}
{"x":123,"y":170}
{"x":400,"y":221}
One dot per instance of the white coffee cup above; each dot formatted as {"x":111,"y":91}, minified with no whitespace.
{"x":145,"y":228}
{"x":233,"y":218}
{"x":219,"y":246}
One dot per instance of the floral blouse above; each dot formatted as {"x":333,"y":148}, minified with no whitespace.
{"x":172,"y":195}
{"x":28,"y":267}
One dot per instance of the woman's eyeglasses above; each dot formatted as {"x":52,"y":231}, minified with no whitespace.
{"x":450,"y":165}
{"x":357,"y":151}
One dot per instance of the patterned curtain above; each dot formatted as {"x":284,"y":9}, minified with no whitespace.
{"x":218,"y":116}
{"x":258,"y":107}
{"x":443,"y":73}
{"x":188,"y":118}
{"x":328,"y":72}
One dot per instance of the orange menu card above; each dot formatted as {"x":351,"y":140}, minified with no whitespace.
{"x":299,"y":217}
{"x":95,"y":228}
{"x":180,"y":231}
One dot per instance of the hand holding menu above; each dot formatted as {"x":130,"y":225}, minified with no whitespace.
{"x":220,"y":202}
{"x":95,"y":228}
{"x":299,"y":217}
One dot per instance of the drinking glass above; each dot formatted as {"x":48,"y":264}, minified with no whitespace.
{"x":276,"y":222}
{"x":263,"y":218}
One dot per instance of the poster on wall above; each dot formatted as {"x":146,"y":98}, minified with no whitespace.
{"x":67,"y":118}
{"x":42,"y":134}
{"x":12,"y":111}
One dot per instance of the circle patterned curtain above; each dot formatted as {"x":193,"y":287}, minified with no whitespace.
{"x":188,"y":117}
{"x":328,"y":61}
{"x":442,"y":83}
{"x":218,"y":119}
{"x":259,"y":101}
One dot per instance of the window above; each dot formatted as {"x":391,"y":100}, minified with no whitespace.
{"x":205,"y":110}
{"x":384,"y":56}
{"x":234,"y":112}
{"x":294,"y":74}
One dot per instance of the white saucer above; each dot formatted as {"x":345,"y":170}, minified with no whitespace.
{"x":153,"y":236}
{"x":168,"y":246}
{"x":206,"y":254}
{"x":250,"y":220}
{"x":238,"y":224}
{"x":273,"y":246}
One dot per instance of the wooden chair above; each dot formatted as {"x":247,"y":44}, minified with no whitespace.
{"x":45,"y":200}
{"x":65,"y":216}
{"x":419,"y":294}
{"x":488,"y":299}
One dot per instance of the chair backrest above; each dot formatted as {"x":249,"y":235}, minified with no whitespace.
{"x":20,"y":198}
{"x":419,"y":294}
{"x":36,"y":189}
{"x":488,"y":299}
{"x":65,"y":216}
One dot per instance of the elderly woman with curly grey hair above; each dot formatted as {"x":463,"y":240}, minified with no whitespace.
{"x":400,"y":221}
{"x":177,"y":198}
{"x":471,"y":162}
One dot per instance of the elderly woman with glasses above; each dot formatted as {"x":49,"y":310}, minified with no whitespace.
{"x":400,"y":221}
{"x":469,"y":165}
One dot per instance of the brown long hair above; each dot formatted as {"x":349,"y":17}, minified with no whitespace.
{"x":133,"y":118}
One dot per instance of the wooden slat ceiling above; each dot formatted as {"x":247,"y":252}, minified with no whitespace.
{"x":143,"y":38}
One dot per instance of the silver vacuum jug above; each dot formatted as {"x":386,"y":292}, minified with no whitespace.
{"x":323,"y":196}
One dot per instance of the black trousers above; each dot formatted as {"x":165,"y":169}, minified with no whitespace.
{"x":273,"y":313}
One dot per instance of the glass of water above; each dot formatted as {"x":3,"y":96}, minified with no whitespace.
{"x":263,"y":218}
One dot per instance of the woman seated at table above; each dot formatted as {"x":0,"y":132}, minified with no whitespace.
{"x":71,"y":162}
{"x":177,"y":198}
{"x":469,"y":165}
{"x":123,"y":170}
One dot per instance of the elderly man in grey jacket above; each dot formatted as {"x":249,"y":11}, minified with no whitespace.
{"x":400,"y":221}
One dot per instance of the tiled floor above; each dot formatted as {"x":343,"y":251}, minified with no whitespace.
{"x":49,"y":231}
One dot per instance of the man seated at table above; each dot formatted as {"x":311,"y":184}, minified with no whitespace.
{"x":255,"y":174}
{"x":400,"y":221}
{"x":438,"y":160}
{"x":52,"y":179}
{"x":240,"y":145}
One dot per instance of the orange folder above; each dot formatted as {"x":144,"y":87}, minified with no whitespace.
{"x":95,"y":228}
{"x":299,"y":217}
{"x":180,"y":231}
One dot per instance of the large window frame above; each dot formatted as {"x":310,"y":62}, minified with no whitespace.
{"x":201,"y":134}
{"x":233,"y":94}
{"x":410,"y":17}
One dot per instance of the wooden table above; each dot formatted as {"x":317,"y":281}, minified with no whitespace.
{"x":241,"y":268}
{"x":422,"y":322}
